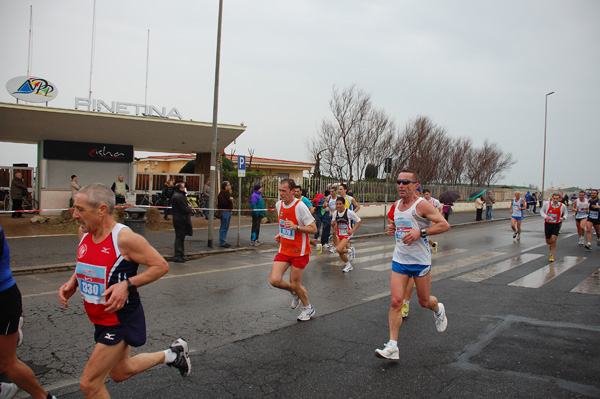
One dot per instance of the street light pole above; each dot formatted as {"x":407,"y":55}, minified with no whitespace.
{"x":544,"y":165}
{"x":213,"y":151}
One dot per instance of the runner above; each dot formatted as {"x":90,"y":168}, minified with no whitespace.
{"x":350,"y":201}
{"x":11,"y":334}
{"x":330,"y":200}
{"x":409,"y":220}
{"x":593,"y":220}
{"x":108,"y":257}
{"x":433,"y":244}
{"x":341,"y":221}
{"x":295,"y":225}
{"x":517,"y":207}
{"x":299,"y":193}
{"x":553,"y":212}
{"x":580,"y":209}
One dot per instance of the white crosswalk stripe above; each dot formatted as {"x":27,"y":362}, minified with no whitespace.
{"x":590,"y":285}
{"x":500,"y":267}
{"x":548,"y":272}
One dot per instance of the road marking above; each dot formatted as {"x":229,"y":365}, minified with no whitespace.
{"x":548,"y":273}
{"x":378,"y":296}
{"x":492,"y":270}
{"x":590,"y":285}
{"x":457,"y":264}
{"x":448,"y":253}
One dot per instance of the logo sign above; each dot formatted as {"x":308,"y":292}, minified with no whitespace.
{"x":241,"y":166}
{"x":95,"y":152}
{"x":32,"y":89}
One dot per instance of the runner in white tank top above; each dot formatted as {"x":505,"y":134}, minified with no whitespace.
{"x":581,"y":208}
{"x":406,"y":220}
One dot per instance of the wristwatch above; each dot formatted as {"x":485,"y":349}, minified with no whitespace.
{"x":132,"y":288}
{"x":423,"y":233}
{"x":297,"y":227}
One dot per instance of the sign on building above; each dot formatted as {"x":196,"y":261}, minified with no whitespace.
{"x":32,"y":89}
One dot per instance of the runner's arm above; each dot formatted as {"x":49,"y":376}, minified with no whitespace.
{"x":67,"y":290}
{"x":356,"y":205}
{"x":134,"y":247}
{"x":439,"y":223}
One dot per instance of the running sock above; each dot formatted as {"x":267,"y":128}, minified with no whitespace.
{"x":393,"y":343}
{"x":438,"y":313}
{"x":170,"y":356}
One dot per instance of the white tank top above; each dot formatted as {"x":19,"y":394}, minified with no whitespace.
{"x":516,"y":207}
{"x":582,"y":208}
{"x":418,"y":252}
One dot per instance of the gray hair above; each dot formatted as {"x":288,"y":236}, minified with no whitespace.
{"x":99,"y":194}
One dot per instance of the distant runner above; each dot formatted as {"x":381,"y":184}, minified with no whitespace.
{"x":554,"y":213}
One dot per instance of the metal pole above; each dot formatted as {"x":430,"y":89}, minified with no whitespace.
{"x":544,"y":164}
{"x":239,"y":207}
{"x":387,"y":175}
{"x":213,"y":152}
{"x":147,"y":64}
{"x":92,"y":56}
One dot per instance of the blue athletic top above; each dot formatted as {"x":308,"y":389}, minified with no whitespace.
{"x":6,"y":277}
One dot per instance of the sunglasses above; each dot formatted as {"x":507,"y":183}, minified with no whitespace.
{"x":406,"y":182}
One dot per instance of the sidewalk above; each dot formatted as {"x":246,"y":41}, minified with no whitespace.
{"x":58,"y":252}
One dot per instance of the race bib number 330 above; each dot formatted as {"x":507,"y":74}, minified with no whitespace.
{"x":92,"y":282}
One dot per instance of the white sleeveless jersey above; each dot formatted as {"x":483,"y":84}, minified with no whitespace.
{"x":516,"y":207}
{"x":582,"y":208}
{"x":418,"y":252}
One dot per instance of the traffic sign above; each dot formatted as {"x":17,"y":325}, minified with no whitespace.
{"x":241,"y":166}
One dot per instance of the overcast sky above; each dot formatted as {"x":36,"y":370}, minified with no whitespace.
{"x":481,"y":69}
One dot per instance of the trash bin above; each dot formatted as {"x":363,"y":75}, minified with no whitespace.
{"x":135,"y":219}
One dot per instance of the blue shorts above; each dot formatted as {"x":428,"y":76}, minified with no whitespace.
{"x":517,"y":218}
{"x":411,"y":270}
{"x":132,"y":329}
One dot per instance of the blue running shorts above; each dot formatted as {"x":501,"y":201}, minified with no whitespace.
{"x":411,"y":270}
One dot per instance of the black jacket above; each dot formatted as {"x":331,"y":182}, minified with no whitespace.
{"x":182,"y":213}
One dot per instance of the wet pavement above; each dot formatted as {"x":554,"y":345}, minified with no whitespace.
{"x":57,"y":252}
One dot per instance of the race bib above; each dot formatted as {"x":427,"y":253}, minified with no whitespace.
{"x":402,"y":227}
{"x":593,"y":214}
{"x":342,"y":229}
{"x":581,"y":214}
{"x":92,"y":282}
{"x":553,"y":218}
{"x":284,"y":232}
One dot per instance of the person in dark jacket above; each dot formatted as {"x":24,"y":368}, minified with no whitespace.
{"x":167,"y":193}
{"x":182,"y":220}
{"x":225,"y":201}
{"x":256,"y":202}
{"x":18,"y":190}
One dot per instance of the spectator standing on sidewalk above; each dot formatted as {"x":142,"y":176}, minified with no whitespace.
{"x":18,"y":190}
{"x":182,"y":221}
{"x":74,"y":189}
{"x":478,"y":208}
{"x":489,"y":204}
{"x":167,"y":193}
{"x":120,"y":188}
{"x":225,"y":202}
{"x":257,"y":204}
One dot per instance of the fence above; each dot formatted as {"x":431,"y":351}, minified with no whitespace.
{"x":365,"y":192}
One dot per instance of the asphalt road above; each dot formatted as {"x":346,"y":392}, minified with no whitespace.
{"x":518,"y":326}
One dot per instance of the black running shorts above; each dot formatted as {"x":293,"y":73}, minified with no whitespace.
{"x":132,"y":329}
{"x":551,"y":229}
{"x":11,"y":310}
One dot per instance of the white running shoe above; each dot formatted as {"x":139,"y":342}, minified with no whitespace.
{"x":332,"y":249}
{"x":319,"y":249}
{"x":441,"y":322}
{"x":182,"y":361}
{"x":307,"y":313}
{"x":295,"y":300}
{"x":326,"y":245}
{"x":389,"y":352}
{"x":514,"y":234}
{"x":518,"y":237}
{"x":8,"y":390}
{"x":347,"y":268}
{"x":351,"y":254}
{"x":581,"y":242}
